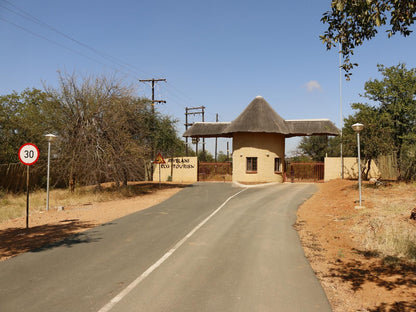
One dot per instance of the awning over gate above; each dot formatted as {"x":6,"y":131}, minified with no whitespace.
{"x":260,"y":117}
{"x":208,"y":130}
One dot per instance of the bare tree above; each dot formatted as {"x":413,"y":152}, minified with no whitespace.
{"x":101,"y":129}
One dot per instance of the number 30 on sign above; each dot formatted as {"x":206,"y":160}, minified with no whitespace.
{"x":28,"y":154}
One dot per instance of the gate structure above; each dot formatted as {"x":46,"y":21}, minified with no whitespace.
{"x":305,"y":172}
{"x":211,"y":171}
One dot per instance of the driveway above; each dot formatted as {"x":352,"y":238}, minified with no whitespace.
{"x":211,"y":247}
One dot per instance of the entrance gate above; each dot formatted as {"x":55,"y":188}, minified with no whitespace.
{"x":210,"y":171}
{"x":295,"y":172}
{"x":305,"y":172}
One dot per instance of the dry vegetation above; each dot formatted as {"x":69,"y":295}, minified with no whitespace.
{"x":14,"y":206}
{"x":365,"y":258}
{"x":387,"y":228}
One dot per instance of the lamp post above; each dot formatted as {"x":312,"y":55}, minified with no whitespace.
{"x":358,"y":128}
{"x":50,"y":138}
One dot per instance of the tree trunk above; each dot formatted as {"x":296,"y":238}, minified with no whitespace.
{"x":71,"y":179}
{"x":368,"y":169}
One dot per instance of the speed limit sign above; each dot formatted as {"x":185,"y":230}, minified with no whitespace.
{"x":28,"y":154}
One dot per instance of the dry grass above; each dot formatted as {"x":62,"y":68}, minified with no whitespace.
{"x":14,"y":206}
{"x":386,"y":226}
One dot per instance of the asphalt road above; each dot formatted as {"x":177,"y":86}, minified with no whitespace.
{"x":202,"y":250}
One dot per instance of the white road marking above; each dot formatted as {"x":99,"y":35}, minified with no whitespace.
{"x":153,"y":267}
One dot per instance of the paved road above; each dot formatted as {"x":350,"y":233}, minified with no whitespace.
{"x":244,"y":257}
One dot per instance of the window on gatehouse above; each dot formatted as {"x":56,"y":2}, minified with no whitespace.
{"x":252,"y":164}
{"x":277,"y":165}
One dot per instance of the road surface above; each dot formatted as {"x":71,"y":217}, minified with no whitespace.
{"x":211,"y":247}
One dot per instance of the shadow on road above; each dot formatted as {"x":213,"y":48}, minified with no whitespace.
{"x":14,"y":241}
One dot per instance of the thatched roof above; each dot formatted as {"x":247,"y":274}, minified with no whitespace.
{"x":207,"y":129}
{"x":260,"y":117}
{"x":304,"y":127}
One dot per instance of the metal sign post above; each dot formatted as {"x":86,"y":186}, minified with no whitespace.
{"x":28,"y":155}
{"x":159,"y":160}
{"x":27,"y":197}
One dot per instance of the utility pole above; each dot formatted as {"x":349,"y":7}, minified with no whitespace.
{"x":194,"y":111}
{"x":153,"y":81}
{"x":216,"y":139}
{"x":152,"y":125}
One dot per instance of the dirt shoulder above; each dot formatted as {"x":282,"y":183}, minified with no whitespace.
{"x":336,"y":239}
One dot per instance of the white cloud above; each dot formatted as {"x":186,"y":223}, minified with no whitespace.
{"x":313,"y":85}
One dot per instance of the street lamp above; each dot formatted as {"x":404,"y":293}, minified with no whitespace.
{"x":358,"y":128}
{"x":50,"y":138}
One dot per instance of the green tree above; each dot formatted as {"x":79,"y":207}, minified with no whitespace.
{"x":166,"y":137}
{"x":21,"y":121}
{"x":389,"y":121}
{"x":205,"y":156}
{"x":298,"y":157}
{"x":375,"y":139}
{"x":351,"y":22}
{"x":317,"y":147}
{"x":395,"y":95}
{"x":222,"y":157}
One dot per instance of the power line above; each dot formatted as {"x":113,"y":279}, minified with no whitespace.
{"x":78,"y":52}
{"x":120,"y":64}
{"x":53,"y":42}
{"x":37,"y":21}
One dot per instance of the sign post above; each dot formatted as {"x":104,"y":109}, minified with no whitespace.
{"x":159,"y":160}
{"x":28,"y":155}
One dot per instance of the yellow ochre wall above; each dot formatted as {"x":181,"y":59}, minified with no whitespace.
{"x":266,"y":147}
{"x":333,"y":168}
{"x":177,"y":169}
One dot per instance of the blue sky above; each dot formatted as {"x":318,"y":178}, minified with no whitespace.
{"x":217,"y":54}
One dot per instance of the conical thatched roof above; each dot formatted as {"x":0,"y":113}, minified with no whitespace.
{"x":258,"y":116}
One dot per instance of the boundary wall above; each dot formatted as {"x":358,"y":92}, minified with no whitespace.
{"x":177,"y":169}
{"x":333,"y":168}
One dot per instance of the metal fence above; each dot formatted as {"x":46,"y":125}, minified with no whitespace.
{"x":305,"y":172}
{"x":211,"y":171}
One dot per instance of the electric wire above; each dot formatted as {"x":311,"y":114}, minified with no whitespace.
{"x":54,"y":42}
{"x":108,"y":57}
{"x":171,"y":89}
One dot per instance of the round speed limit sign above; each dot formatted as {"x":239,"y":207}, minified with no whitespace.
{"x":28,"y":154}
